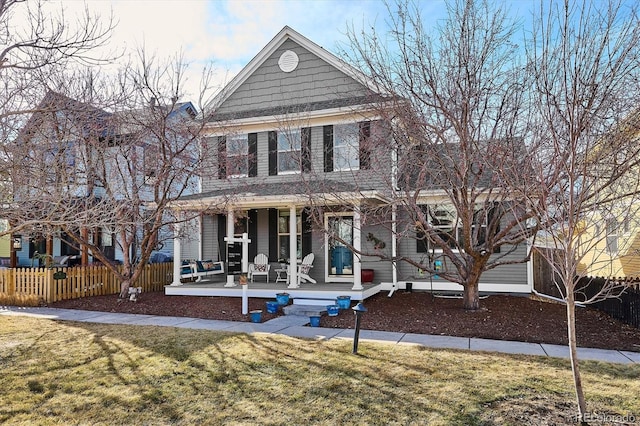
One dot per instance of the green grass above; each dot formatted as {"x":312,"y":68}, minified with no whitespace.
{"x":78,"y":373}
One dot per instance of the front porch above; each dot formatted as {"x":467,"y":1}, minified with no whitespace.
{"x":306,"y":291}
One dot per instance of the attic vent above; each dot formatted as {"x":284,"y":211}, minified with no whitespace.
{"x":288,"y":61}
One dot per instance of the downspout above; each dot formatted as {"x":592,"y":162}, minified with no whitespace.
{"x":394,"y":247}
{"x":394,"y":221}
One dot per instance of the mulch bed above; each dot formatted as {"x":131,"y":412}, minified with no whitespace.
{"x":502,"y":317}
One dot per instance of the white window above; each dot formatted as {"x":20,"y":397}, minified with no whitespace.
{"x":346,"y":147}
{"x":284,"y":236}
{"x":289,"y":152}
{"x":237,"y":156}
{"x":444,"y":219}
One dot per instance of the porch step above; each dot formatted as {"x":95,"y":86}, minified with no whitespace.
{"x":304,"y":310}
{"x":318,"y":302}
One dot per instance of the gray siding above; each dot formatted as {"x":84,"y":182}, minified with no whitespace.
{"x":314,"y":80}
{"x":506,"y":274}
{"x":376,"y":177}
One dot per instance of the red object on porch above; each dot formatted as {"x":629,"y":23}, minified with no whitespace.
{"x":367,"y":275}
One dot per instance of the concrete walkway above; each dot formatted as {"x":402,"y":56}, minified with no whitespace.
{"x":295,"y":326}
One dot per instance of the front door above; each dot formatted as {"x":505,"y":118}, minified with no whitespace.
{"x":340,"y":237}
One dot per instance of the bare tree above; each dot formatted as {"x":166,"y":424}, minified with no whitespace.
{"x":40,"y":48}
{"x":113,"y":166}
{"x":454,"y":121}
{"x":585,"y":60}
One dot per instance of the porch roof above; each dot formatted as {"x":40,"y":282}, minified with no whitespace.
{"x":280,"y":194}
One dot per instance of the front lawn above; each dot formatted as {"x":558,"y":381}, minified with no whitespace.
{"x":81,"y":373}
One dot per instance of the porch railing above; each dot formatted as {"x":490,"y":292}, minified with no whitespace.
{"x":53,"y":284}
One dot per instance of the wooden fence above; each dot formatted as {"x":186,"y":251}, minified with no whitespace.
{"x":53,"y":284}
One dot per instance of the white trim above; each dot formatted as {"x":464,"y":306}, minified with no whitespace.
{"x":285,"y":34}
{"x":342,"y":115}
{"x":439,"y":285}
{"x":329,"y":278}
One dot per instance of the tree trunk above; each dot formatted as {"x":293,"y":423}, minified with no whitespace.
{"x":124,"y":289}
{"x":471,"y":298}
{"x":573,"y":352}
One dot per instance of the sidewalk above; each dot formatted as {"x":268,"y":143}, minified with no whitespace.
{"x":295,"y":326}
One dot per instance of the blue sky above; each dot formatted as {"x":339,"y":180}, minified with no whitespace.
{"x":230,"y":32}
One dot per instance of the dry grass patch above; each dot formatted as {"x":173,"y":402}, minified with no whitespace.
{"x":77,"y":373}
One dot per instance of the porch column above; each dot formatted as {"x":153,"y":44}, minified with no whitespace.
{"x":177,"y":254}
{"x":357,"y":245}
{"x":230,"y":231}
{"x":293,"y":248}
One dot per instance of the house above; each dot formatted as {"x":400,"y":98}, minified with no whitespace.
{"x":299,"y":158}
{"x":73,"y":158}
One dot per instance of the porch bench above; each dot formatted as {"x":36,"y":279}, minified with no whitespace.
{"x":200,"y":268}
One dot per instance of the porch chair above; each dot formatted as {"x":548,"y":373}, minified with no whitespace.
{"x":304,"y":268}
{"x":260,"y":266}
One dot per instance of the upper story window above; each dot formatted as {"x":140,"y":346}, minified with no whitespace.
{"x":346,"y":146}
{"x":237,"y":156}
{"x":61,"y":163}
{"x":289,"y":151}
{"x":151,"y":158}
{"x":615,"y":230}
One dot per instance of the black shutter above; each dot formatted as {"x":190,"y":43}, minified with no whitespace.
{"x":273,"y":235}
{"x":252,"y":233}
{"x":253,"y":154}
{"x":273,"y":153}
{"x":365,"y":149}
{"x":307,"y":239}
{"x":490,"y":217}
{"x":222,"y":231}
{"x":305,"y":148}
{"x":222,"y":157}
{"x":327,"y":139}
{"x":422,"y":243}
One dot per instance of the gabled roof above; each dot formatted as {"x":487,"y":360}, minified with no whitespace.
{"x":287,"y":33}
{"x":86,"y":116}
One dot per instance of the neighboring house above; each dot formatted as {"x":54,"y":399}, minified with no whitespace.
{"x":62,"y":137}
{"x":606,"y":238}
{"x":296,"y":130}
{"x":609,"y":244}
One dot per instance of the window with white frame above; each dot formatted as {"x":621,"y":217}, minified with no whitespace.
{"x":237,"y":155}
{"x":444,"y":219}
{"x":289,"y":151}
{"x":284,"y":235}
{"x":346,"y":147}
{"x":615,"y":230}
{"x":61,"y":163}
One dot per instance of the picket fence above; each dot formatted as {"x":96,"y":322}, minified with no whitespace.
{"x":54,"y":284}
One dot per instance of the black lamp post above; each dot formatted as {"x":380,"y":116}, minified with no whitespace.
{"x":358,"y":310}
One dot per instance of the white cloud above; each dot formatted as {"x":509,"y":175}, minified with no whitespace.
{"x":228,"y":33}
